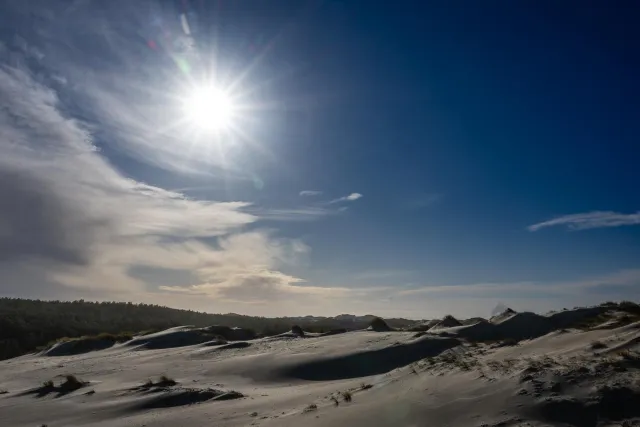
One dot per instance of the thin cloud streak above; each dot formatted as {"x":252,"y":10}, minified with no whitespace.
{"x":589,"y":220}
{"x":310,"y":193}
{"x":350,"y":198}
{"x":625,"y":278}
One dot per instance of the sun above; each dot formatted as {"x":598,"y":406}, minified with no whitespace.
{"x":209,"y":109}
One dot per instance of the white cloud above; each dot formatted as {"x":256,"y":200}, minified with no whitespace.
{"x":351,"y":197}
{"x":584,"y":221}
{"x":309,"y":193}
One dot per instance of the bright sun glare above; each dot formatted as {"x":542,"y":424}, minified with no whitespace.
{"x":209,"y":108}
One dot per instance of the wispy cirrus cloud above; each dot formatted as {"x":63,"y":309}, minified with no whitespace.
{"x":310,"y":193}
{"x":349,"y":198}
{"x":588,"y":220}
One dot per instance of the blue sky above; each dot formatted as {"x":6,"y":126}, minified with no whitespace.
{"x":413,"y":159}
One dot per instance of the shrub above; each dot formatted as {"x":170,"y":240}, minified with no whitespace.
{"x":597,"y":345}
{"x":346,"y":395}
{"x":364,"y":386}
{"x":47,"y":384}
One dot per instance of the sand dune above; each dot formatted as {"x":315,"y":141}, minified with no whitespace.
{"x":171,"y":338}
{"x":556,"y":375}
{"x":78,"y":346}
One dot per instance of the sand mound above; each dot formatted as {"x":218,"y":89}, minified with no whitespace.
{"x":77,"y":346}
{"x":373,"y":362}
{"x":423,"y":326}
{"x":231,"y":334}
{"x":517,"y":326}
{"x":174,"y":337}
{"x":379,"y":325}
{"x":573,"y":318}
{"x":510,"y":325}
{"x":225,"y":347}
{"x":447,"y":322}
{"x":473,"y":321}
{"x":502,"y":316}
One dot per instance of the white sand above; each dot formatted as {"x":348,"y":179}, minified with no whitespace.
{"x":555,"y":379}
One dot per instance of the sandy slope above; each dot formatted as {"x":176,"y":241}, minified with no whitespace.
{"x":430,"y":380}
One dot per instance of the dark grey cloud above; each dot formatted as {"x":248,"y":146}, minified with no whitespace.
{"x":36,"y":222}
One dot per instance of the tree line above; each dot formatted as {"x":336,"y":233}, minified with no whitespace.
{"x":27,"y":325}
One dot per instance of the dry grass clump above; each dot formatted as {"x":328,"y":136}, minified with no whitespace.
{"x":311,"y":408}
{"x":164,"y":381}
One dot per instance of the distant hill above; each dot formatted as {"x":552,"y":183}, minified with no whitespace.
{"x":26,"y":325}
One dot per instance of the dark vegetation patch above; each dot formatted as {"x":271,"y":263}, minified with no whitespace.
{"x":163,"y":382}
{"x":70,"y":384}
{"x":179,"y":396}
{"x":311,"y":408}
{"x":29,"y":325}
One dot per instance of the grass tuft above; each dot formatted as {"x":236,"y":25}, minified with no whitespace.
{"x":310,"y":408}
{"x":346,"y":395}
